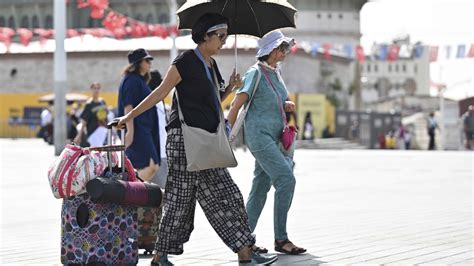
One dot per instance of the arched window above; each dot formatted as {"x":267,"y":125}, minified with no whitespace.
{"x":149,"y":19}
{"x":48,"y":22}
{"x":164,"y":18}
{"x":2,"y":22}
{"x":11,"y":22}
{"x":139,"y":17}
{"x":25,"y":22}
{"x":35,"y":22}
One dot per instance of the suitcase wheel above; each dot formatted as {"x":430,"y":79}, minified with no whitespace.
{"x":148,"y":252}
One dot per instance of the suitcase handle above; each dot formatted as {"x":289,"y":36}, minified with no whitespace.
{"x":114,"y":123}
{"x":109,"y":148}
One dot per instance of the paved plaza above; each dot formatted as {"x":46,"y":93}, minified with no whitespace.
{"x":350,"y":207}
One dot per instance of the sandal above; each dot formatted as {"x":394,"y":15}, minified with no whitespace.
{"x":294,"y":251}
{"x":259,"y":250}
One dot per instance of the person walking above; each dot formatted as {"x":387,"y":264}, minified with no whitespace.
{"x":263,"y":130}
{"x":468,"y":126}
{"x":141,"y":139}
{"x":432,"y":125}
{"x":160,"y":177}
{"x":93,"y":120}
{"x":214,"y":189}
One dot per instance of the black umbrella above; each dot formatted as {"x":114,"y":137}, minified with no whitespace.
{"x":250,"y":17}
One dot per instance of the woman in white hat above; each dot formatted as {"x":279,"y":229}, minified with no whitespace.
{"x":264,"y":124}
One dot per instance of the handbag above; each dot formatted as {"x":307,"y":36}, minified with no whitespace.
{"x":239,"y":122}
{"x":75,"y":166}
{"x":288,"y":134}
{"x":206,"y":150}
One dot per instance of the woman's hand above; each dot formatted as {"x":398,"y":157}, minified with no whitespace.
{"x":235,"y":81}
{"x":122,"y":121}
{"x":290,"y":106}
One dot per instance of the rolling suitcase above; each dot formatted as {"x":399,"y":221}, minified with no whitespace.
{"x":99,"y":234}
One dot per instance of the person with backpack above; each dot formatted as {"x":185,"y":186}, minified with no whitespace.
{"x":264,"y":123}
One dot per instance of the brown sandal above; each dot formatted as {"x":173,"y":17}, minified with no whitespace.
{"x":259,"y":250}
{"x":294,"y":251}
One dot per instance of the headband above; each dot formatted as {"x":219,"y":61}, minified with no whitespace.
{"x":217,"y":27}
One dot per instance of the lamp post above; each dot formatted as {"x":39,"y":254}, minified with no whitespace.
{"x":172,"y":9}
{"x":60,"y":78}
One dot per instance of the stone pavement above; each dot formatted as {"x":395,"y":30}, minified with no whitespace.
{"x":350,"y":207}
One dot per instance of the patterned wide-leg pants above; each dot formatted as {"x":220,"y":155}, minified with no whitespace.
{"x":216,"y":192}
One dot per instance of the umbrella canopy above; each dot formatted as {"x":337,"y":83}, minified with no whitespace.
{"x":251,"y":17}
{"x":70,"y":98}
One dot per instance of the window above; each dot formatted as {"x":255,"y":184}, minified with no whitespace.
{"x":25,"y":22}
{"x":149,"y":19}
{"x":396,"y":68}
{"x":139,"y":17}
{"x":11,"y":22}
{"x":329,"y":16}
{"x":404,"y":68}
{"x":376,"y":68}
{"x":341,"y":16}
{"x":35,"y":22}
{"x":48,"y":22}
{"x":163,"y":18}
{"x":2,"y":22}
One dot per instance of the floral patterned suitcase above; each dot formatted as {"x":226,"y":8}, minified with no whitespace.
{"x":98,"y":233}
{"x":148,"y":224}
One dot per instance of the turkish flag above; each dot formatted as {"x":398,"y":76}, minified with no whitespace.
{"x":393,"y":52}
{"x":114,"y":20}
{"x":72,"y":33}
{"x":471,"y":51}
{"x":327,"y":55}
{"x":433,"y":53}
{"x":98,"y":8}
{"x":25,"y":36}
{"x":44,"y":35}
{"x":360,"y":54}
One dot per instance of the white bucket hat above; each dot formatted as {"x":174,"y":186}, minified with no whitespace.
{"x":271,"y":41}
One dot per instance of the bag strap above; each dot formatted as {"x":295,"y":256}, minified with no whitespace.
{"x":255,"y":86}
{"x":73,"y":159}
{"x":283,"y":115}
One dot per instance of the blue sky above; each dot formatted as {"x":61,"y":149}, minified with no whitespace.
{"x":433,"y":22}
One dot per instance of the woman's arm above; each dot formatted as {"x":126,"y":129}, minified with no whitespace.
{"x":172,"y":78}
{"x":238,"y":101}
{"x":130,"y":128}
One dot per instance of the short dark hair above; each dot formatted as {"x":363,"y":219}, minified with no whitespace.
{"x":204,"y":23}
{"x":155,"y":79}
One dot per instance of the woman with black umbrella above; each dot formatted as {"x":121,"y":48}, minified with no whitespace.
{"x":219,"y":197}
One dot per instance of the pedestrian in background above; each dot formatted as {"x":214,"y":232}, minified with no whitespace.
{"x":141,"y":139}
{"x":160,"y":177}
{"x":468,"y":126}
{"x":431,"y":128}
{"x":263,"y":130}
{"x":93,"y":120}
{"x":218,"y":195}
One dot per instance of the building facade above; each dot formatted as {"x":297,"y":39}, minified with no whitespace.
{"x":39,"y":13}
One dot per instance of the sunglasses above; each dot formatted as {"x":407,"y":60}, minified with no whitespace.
{"x":221,"y":36}
{"x":285,"y":49}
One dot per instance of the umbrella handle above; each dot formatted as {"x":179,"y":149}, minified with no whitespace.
{"x":235,"y":52}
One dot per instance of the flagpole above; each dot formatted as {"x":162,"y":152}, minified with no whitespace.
{"x":60,"y":77}
{"x":172,"y":9}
